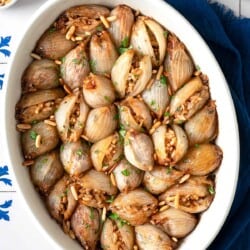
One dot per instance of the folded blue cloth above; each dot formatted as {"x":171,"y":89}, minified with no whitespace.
{"x":229,"y":39}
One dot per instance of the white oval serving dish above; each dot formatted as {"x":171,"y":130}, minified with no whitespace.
{"x":212,"y":220}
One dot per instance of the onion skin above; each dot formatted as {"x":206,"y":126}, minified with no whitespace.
{"x":103,"y":53}
{"x":26,"y":108}
{"x":46,"y":171}
{"x":75,"y":157}
{"x":39,"y":75}
{"x":153,"y":238}
{"x":120,"y":29}
{"x":120,"y":72}
{"x":49,"y":141}
{"x":157,"y":98}
{"x":75,"y":67}
{"x":100,"y":150}
{"x":138,"y":149}
{"x":125,"y":234}
{"x":178,"y":63}
{"x":104,"y":118}
{"x":135,"y":206}
{"x":201,"y":159}
{"x":175,"y":222}
{"x":132,"y":108}
{"x":203,"y":126}
{"x":161,"y":178}
{"x":55,"y":199}
{"x":71,"y":132}
{"x":53,"y":45}
{"x":98,"y":91}
{"x":192,"y":196}
{"x":140,"y":39}
{"x":127,"y":176}
{"x":86,"y":226}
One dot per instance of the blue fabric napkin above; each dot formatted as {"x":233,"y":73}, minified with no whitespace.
{"x":229,"y":39}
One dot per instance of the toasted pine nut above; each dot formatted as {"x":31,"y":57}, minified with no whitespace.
{"x":150,"y":83}
{"x":74,"y":193}
{"x":135,"y":247}
{"x":58,"y":62}
{"x":105,"y":22}
{"x":78,"y":38}
{"x":38,"y":141}
{"x":162,"y":203}
{"x":176,"y":200}
{"x":70,"y":32}
{"x":174,"y":239}
{"x":160,"y":70}
{"x":154,"y":127}
{"x":184,"y":178}
{"x":23,"y":126}
{"x":111,"y":18}
{"x":85,"y":137}
{"x":104,"y":212}
{"x":112,"y":178}
{"x":67,"y":89}
{"x":163,"y":208}
{"x":35,"y":56}
{"x":28,"y":163}
{"x":51,"y":123}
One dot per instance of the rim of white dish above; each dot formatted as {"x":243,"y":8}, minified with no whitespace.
{"x":183,"y":25}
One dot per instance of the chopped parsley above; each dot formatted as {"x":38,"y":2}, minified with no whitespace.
{"x":33,"y":135}
{"x":107,"y":98}
{"x":122,"y":131}
{"x":79,"y":152}
{"x":169,"y":170}
{"x":34,"y":122}
{"x":116,"y":217}
{"x":92,"y":216}
{"x":211,"y":190}
{"x":197,"y":67}
{"x":163,"y":80}
{"x":166,"y":114}
{"x":99,"y":28}
{"x":125,"y":42}
{"x":152,"y":103}
{"x":116,"y":116}
{"x":92,"y":64}
{"x":124,"y":45}
{"x":61,"y":148}
{"x":110,"y":199}
{"x":52,"y":30}
{"x":125,"y":172}
{"x":196,"y":145}
{"x":63,"y":59}
{"x":165,"y":33}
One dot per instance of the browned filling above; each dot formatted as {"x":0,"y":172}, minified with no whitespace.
{"x":74,"y":115}
{"x":183,"y":112}
{"x":170,"y":145}
{"x":133,"y":75}
{"x":154,"y":44}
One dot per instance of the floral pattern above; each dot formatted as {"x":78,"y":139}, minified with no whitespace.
{"x":4,"y":42}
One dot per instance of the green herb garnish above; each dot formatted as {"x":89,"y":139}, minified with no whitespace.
{"x":116,"y":116}
{"x":197,"y":67}
{"x":99,"y":28}
{"x":116,"y":217}
{"x":92,"y":64}
{"x":52,"y":30}
{"x":125,"y":42}
{"x":33,"y":135}
{"x":166,"y":114}
{"x":211,"y":190}
{"x":92,"y":216}
{"x":61,"y":148}
{"x":110,"y":199}
{"x":196,"y":145}
{"x":79,"y":152}
{"x":152,"y":103}
{"x":107,"y":98}
{"x":63,"y":59}
{"x":34,"y":122}
{"x":165,"y":33}
{"x":125,"y":172}
{"x":163,"y":80}
{"x":169,"y":170}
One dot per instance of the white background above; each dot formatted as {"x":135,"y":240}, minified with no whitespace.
{"x":20,"y":233}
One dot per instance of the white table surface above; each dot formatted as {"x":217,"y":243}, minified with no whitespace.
{"x":19,"y":232}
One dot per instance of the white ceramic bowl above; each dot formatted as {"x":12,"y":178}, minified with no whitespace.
{"x":211,"y":220}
